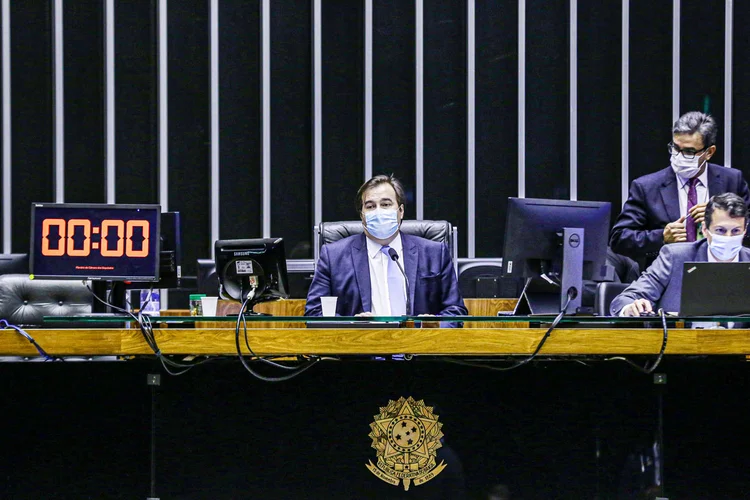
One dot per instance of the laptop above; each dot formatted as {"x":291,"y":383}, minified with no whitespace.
{"x":715,"y":289}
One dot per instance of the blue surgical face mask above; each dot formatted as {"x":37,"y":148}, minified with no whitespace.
{"x":381,"y":223}
{"x":725,"y":247}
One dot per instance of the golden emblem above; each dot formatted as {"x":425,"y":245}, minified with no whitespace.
{"x":406,"y":435}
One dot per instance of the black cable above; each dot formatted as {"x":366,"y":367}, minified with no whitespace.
{"x":4,"y":324}
{"x":145,"y":326}
{"x":649,"y":369}
{"x":539,"y":346}
{"x":297,"y":370}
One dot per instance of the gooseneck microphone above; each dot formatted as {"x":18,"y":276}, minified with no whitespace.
{"x":394,"y":257}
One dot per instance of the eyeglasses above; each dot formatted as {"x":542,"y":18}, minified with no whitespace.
{"x":688,"y":153}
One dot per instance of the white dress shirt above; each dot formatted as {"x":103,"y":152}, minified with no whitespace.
{"x":381,"y":299}
{"x":701,"y":190}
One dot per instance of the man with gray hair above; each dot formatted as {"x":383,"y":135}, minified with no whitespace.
{"x":668,"y":206}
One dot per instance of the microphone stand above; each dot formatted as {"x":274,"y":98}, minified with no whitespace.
{"x":394,"y":257}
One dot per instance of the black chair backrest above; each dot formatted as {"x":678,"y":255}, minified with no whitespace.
{"x":26,"y":302}
{"x":483,"y":278}
{"x":435,"y":230}
{"x":605,"y":294}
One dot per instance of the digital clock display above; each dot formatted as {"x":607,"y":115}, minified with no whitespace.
{"x":97,"y":241}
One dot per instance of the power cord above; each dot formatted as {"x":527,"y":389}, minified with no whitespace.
{"x":147,"y":330}
{"x":295,"y":370}
{"x":539,"y":346}
{"x":5,"y":325}
{"x":649,"y":369}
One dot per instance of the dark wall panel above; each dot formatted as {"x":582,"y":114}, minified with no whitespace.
{"x":393,"y":121}
{"x":136,"y":104}
{"x":702,"y":53}
{"x":650,"y":86}
{"x":240,"y":122}
{"x":741,"y":98}
{"x":599,"y":93}
{"x":32,"y":113}
{"x":83,"y":62}
{"x":188,"y":158}
{"x":445,"y":114}
{"x":547,"y":83}
{"x":496,"y":120}
{"x":291,"y":126}
{"x":343,"y":107}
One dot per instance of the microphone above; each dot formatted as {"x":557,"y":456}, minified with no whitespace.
{"x":394,"y":257}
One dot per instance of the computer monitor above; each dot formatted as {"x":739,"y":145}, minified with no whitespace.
{"x":14,"y":263}
{"x":95,"y":241}
{"x":253,"y":269}
{"x":563,"y":241}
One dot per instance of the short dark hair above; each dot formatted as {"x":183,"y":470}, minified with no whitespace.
{"x":731,"y":203}
{"x":376,"y":181}
{"x":695,"y":121}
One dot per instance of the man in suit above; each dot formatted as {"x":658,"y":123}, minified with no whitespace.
{"x":361,"y":272}
{"x":724,"y":224}
{"x":667,"y":206}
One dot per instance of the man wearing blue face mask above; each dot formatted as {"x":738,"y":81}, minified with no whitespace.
{"x":361,"y":270}
{"x":724,"y":225}
{"x":667,"y":206}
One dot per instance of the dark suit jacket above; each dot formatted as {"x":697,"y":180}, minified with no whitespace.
{"x":343,"y":271}
{"x":662,"y":282}
{"x":654,"y":202}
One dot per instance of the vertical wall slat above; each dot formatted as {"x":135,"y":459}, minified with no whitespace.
{"x":109,"y":92}
{"x":419,"y":105}
{"x":625,"y":103}
{"x":521,"y":98}
{"x":6,"y":124}
{"x":728,"y":38}
{"x":214,"y":89}
{"x":573,"y":99}
{"x":470,"y":127}
{"x":675,"y":60}
{"x":59,"y":103}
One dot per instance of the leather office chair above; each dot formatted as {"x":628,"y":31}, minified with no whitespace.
{"x":25,"y":302}
{"x":483,"y":278}
{"x":605,"y":294}
{"x":435,"y":230}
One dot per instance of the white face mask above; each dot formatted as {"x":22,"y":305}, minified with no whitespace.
{"x":725,"y":247}
{"x":687,"y":169}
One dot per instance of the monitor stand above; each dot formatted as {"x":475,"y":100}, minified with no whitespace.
{"x":540,"y":296}
{"x":102,"y":290}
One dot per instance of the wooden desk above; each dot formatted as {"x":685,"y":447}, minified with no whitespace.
{"x":425,"y":341}
{"x":475,"y":339}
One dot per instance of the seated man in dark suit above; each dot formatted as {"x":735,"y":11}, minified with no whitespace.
{"x":367,"y":281}
{"x":667,"y":206}
{"x":724,"y":225}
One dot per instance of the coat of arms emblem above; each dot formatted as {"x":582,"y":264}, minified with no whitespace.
{"x":406,"y":436}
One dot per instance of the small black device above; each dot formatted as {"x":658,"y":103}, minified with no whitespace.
{"x":715,"y":289}
{"x":252,"y":269}
{"x":561,"y":241}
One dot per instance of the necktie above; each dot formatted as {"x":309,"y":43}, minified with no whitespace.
{"x":692,"y":200}
{"x":395,"y":286}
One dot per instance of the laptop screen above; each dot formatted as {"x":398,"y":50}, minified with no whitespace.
{"x":715,"y":289}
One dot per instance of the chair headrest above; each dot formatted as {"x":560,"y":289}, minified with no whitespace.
{"x":435,"y":230}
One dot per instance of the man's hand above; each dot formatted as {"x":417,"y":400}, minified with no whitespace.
{"x":636,"y":308}
{"x":367,"y":314}
{"x":698,"y":212}
{"x":674,"y":232}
